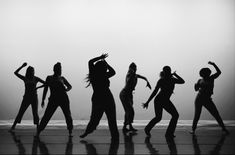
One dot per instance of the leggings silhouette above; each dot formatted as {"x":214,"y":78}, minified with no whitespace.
{"x":162,"y":101}
{"x":205,"y":88}
{"x":102,"y":99}
{"x":30,"y":97}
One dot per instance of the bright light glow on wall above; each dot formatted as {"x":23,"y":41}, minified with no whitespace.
{"x":180,"y":33}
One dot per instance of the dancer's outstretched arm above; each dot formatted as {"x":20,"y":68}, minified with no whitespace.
{"x":145,"y":105}
{"x":44,"y":93}
{"x":144,"y":78}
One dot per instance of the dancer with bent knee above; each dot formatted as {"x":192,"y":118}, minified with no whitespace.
{"x":30,"y":95}
{"x":126,"y":96}
{"x":59,"y":87}
{"x":166,"y":84}
{"x":205,"y":88}
{"x":102,"y":99}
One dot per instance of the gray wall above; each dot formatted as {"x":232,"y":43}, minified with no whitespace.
{"x":180,"y":33}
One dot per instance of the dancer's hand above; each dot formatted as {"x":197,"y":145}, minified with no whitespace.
{"x":148,"y":85}
{"x":104,"y":55}
{"x":211,"y":63}
{"x":145,"y":105}
{"x":24,"y":64}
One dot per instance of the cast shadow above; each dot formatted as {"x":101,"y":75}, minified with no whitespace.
{"x":216,"y":149}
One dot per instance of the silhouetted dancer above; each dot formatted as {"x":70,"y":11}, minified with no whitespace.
{"x":205,"y":88}
{"x":150,"y":147}
{"x":58,"y":98}
{"x":102,"y":99}
{"x":30,"y":95}
{"x":166,"y":84}
{"x":126,"y":96}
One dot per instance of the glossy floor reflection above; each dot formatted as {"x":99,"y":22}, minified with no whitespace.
{"x":208,"y":140}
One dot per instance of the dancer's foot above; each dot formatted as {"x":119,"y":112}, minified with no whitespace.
{"x":147,"y":132}
{"x":133,"y":129}
{"x":83,"y":135}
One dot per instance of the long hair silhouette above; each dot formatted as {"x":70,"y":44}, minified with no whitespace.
{"x":102,"y":99}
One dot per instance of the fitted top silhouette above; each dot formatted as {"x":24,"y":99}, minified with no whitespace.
{"x":57,"y":85}
{"x":100,"y":83}
{"x":167,"y":86}
{"x":131,"y":81}
{"x":30,"y":85}
{"x":205,"y":86}
{"x":100,"y":80}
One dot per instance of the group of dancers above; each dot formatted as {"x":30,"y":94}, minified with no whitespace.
{"x":103,"y":101}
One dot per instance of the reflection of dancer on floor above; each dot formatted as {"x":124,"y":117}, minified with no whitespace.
{"x":150,"y":147}
{"x":162,"y":101}
{"x":127,"y":97}
{"x":58,"y":98}
{"x":30,"y":95}
{"x":128,"y":143}
{"x":205,"y":88}
{"x":216,"y":149}
{"x":102,"y":99}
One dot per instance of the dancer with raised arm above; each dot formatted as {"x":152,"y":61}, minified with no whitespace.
{"x":126,"y":96}
{"x":30,"y":95}
{"x":59,"y":87}
{"x":166,"y":84}
{"x":102,"y":99}
{"x":205,"y":88}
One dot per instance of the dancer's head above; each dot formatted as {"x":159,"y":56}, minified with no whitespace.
{"x":161,"y":74}
{"x":100,"y":67}
{"x":57,"y":68}
{"x":166,"y":71}
{"x":133,"y":67}
{"x":205,"y":72}
{"x":29,"y":72}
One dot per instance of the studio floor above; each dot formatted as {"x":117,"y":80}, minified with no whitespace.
{"x":208,"y":139}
